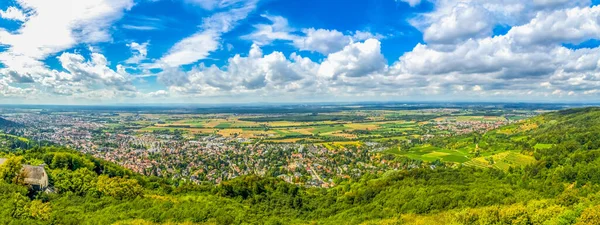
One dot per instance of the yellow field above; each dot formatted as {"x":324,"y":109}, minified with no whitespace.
{"x":304,"y":131}
{"x":362,"y":126}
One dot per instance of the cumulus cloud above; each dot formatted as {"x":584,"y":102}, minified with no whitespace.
{"x":78,"y":78}
{"x":355,"y":60}
{"x":19,"y":78}
{"x":252,"y":74}
{"x":463,"y":22}
{"x":530,"y":58}
{"x":323,"y":41}
{"x":47,"y":30}
{"x":359,"y":69}
{"x":93,"y":71}
{"x":454,"y":21}
{"x":574,"y":25}
{"x":6,"y":90}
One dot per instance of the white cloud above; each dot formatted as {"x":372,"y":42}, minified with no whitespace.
{"x":364,"y":35}
{"x":573,"y":25}
{"x":322,"y":41}
{"x":80,"y":77}
{"x":200,"y":45}
{"x":140,"y":51}
{"x":95,"y":71}
{"x":215,"y":4}
{"x":49,"y":29}
{"x":463,"y":22}
{"x":158,"y":94}
{"x":355,"y":60}
{"x":9,"y":91}
{"x":412,"y":3}
{"x":530,"y":58}
{"x":265,"y":34}
{"x":191,"y":49}
{"x":454,"y":21}
{"x":13,"y":13}
{"x":136,"y":27}
{"x":253,"y":74}
{"x":310,"y":39}
{"x":358,"y":69}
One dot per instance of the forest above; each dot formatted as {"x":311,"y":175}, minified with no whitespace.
{"x":561,"y":187}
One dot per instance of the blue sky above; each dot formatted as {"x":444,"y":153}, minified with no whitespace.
{"x":230,"y":51}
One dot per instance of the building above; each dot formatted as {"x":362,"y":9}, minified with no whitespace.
{"x":35,"y":176}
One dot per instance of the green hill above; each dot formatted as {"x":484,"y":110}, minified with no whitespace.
{"x":513,"y":145}
{"x":557,"y":183}
{"x":4,"y":123}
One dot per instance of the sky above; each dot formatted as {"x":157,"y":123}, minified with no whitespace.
{"x":246,"y":51}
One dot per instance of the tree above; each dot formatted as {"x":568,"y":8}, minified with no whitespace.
{"x":120,"y":188}
{"x":39,"y":210}
{"x":590,"y":216}
{"x":80,"y":182}
{"x":11,"y":169}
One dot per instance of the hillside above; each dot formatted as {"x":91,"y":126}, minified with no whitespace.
{"x":512,"y":145}
{"x":4,"y":123}
{"x":558,"y":184}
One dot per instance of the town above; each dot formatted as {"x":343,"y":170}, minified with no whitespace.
{"x":166,"y":145}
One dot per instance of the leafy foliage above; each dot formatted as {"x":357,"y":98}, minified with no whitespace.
{"x":11,"y":169}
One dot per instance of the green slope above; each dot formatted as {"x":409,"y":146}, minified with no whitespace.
{"x":518,"y":141}
{"x":560,"y":186}
{"x":4,"y":123}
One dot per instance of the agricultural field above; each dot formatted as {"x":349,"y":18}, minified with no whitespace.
{"x":345,"y":125}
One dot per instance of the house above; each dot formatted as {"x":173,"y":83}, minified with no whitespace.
{"x":35,"y":176}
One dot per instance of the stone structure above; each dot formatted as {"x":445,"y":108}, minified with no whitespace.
{"x":35,"y":176}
